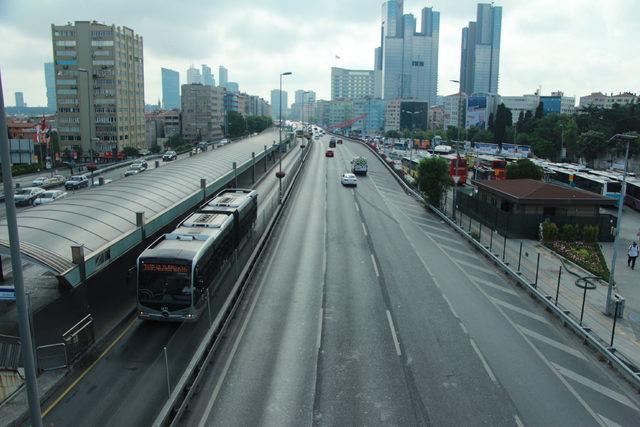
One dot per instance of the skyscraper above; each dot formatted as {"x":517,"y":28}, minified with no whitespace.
{"x":351,"y":84}
{"x":50,"y":83}
{"x":202,"y":112}
{"x":275,"y":104}
{"x":20,"y":100}
{"x":193,"y":76}
{"x":99,"y":86}
{"x":480,"y":51}
{"x":170,"y":89}
{"x":223,"y":76}
{"x":207,"y":77}
{"x":406,"y":63}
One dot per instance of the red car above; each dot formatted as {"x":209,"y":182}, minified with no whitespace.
{"x":328,"y":153}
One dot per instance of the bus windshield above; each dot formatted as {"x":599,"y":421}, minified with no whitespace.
{"x":165,"y":284}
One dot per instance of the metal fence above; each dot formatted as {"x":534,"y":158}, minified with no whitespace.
{"x":52,"y":356}
{"x":10,"y":357}
{"x":79,"y":338}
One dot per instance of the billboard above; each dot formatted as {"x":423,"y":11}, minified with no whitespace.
{"x":477,"y":111}
{"x":486,"y":148}
{"x":516,"y":151}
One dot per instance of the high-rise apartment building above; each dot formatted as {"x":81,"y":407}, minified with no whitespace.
{"x":223,"y":76}
{"x":453,"y":107}
{"x":480,"y":53}
{"x":193,"y":76}
{"x":601,"y":100}
{"x":202,"y":112}
{"x":351,"y":84}
{"x":406,"y":63}
{"x":170,"y":89}
{"x":20,"y":100}
{"x":232,"y":87}
{"x":275,"y":104}
{"x":50,"y":84}
{"x":99,"y":86}
{"x":207,"y":77}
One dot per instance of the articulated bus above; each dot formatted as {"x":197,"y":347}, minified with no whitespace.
{"x":632,"y":194}
{"x":179,"y":269}
{"x":598,"y":184}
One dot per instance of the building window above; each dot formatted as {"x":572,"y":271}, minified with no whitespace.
{"x":101,"y":43}
{"x":66,"y":62}
{"x":103,"y":62}
{"x":65,"y":43}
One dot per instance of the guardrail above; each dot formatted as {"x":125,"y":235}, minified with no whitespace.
{"x":584,"y":333}
{"x":188,"y":383}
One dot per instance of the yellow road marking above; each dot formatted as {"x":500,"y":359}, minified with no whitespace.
{"x":86,"y":371}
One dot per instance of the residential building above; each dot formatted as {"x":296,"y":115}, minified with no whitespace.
{"x":275,"y":104}
{"x":257,"y":106}
{"x":601,"y":100}
{"x":233,"y":87}
{"x":170,"y":89}
{"x":402,"y":114}
{"x":242,"y":103}
{"x":436,"y":117}
{"x":207,"y":77}
{"x":480,"y":53}
{"x":231,"y":101}
{"x":351,"y":84}
{"x":154,"y":128}
{"x":202,"y":112}
{"x":193,"y":76}
{"x":20,"y":100}
{"x":557,"y":103}
{"x":480,"y":106}
{"x":109,"y":60}
{"x":520,"y":104}
{"x":392,"y":115}
{"x":303,"y":109}
{"x":171,"y":122}
{"x":223,"y":76}
{"x":451,"y":106}
{"x":50,"y":84}
{"x":406,"y":64}
{"x":369,"y":114}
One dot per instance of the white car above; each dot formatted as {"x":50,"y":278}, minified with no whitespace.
{"x":349,"y":179}
{"x":25,"y":196}
{"x":39,"y":181}
{"x":49,"y":196}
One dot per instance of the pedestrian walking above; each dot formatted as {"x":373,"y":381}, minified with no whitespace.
{"x":633,"y":254}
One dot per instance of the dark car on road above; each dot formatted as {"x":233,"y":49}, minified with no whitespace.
{"x":169,"y":155}
{"x":76,"y":182}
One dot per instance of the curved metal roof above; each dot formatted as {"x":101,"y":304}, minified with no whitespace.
{"x":98,"y":217}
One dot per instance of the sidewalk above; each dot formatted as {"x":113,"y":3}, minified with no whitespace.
{"x":570,"y":296}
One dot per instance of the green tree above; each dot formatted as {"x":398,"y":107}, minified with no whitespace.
{"x":155,"y":148}
{"x":433,"y":178}
{"x":520,"y":123}
{"x":539,"y":111}
{"x":130,"y":151}
{"x":524,"y":168}
{"x":392,"y":134}
{"x":236,"y":124}
{"x":482,"y":135}
{"x":452,"y":133}
{"x":491,"y":123}
{"x":592,"y":144}
{"x":502,"y":121}
{"x":406,"y":133}
{"x":175,"y":141}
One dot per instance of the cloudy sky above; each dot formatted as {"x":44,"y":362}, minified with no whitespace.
{"x":576,"y":46}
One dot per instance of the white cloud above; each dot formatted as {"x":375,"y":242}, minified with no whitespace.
{"x":576,"y":46}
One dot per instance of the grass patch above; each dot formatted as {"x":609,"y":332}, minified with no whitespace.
{"x":586,"y":255}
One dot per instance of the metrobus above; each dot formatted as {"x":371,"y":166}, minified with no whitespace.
{"x":497,"y":165}
{"x":598,"y":184}
{"x":561,"y":175}
{"x":632,"y":193}
{"x":462,"y":169}
{"x":181,"y":269}
{"x":410,"y":166}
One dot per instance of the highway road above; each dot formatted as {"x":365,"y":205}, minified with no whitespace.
{"x":127,"y":383}
{"x":369,"y":310}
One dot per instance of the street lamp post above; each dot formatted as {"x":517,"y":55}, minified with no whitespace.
{"x":455,"y":174}
{"x":413,"y":115}
{"x":562,"y":155}
{"x":286,"y":73}
{"x":628,"y":138}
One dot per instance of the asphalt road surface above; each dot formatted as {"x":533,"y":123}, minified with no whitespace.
{"x":369,"y":310}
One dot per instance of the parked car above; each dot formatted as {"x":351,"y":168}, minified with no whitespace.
{"x":25,"y":196}
{"x":349,"y":179}
{"x":76,"y":182}
{"x":39,"y":181}
{"x":195,"y":150}
{"x":169,"y":155}
{"x":141,"y":164}
{"x":49,"y":196}
{"x":223,"y":141}
{"x":53,"y":181}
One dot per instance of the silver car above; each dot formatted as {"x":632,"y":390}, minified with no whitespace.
{"x":49,"y":197}
{"x":25,"y":196}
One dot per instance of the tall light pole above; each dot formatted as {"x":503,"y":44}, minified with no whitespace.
{"x":26,"y":339}
{"x":623,"y":190}
{"x":413,"y":125}
{"x":286,"y":73}
{"x":455,"y":175}
{"x":562,"y":155}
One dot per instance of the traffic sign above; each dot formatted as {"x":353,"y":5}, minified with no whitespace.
{"x":7,"y":293}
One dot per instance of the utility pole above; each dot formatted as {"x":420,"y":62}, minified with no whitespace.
{"x":26,"y":340}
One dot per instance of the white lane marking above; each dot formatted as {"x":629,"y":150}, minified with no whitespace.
{"x":518,"y":310}
{"x":357,"y":207}
{"x":320,"y":328}
{"x":518,"y":421}
{"x":608,"y":422}
{"x":476,"y":266}
{"x":494,"y":286}
{"x":393,"y":333}
{"x":353,"y":191}
{"x":437,"y":229}
{"x":464,"y":328}
{"x":364,"y":229}
{"x":552,"y":342}
{"x":450,"y":306}
{"x":484,"y":362}
{"x":375,"y":266}
{"x":619,"y":397}
{"x":416,"y":218}
{"x":461,"y":250}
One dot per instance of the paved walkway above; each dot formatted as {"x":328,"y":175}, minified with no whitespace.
{"x":570,"y":296}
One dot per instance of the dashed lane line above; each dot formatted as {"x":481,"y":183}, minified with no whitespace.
{"x":396,"y":343}
{"x":484,"y":362}
{"x":519,"y":310}
{"x":375,"y":265}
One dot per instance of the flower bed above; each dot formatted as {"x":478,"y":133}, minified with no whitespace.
{"x":586,"y":255}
